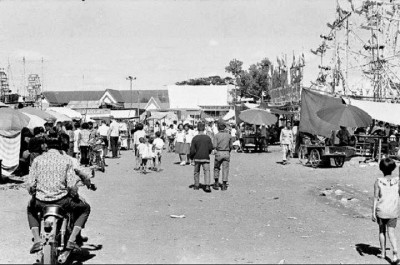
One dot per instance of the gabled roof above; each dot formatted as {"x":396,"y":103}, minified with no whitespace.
{"x":125,"y":97}
{"x":64,"y":97}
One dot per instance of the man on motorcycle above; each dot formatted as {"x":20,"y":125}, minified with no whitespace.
{"x":52,"y":181}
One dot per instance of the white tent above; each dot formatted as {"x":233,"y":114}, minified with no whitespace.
{"x":35,"y":121}
{"x":67,"y":112}
{"x":387,"y":112}
{"x":229,"y":115}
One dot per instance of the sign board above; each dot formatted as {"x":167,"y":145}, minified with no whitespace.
{"x":94,"y":111}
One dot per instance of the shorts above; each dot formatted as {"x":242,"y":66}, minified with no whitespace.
{"x":158,"y":152}
{"x":392,"y":222}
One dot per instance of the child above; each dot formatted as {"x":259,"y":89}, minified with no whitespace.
{"x":385,"y":210}
{"x":145,"y":153}
{"x":158,"y":145}
{"x":200,"y":151}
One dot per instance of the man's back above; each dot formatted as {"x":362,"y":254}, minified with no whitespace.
{"x":52,"y":173}
{"x":222,"y":141}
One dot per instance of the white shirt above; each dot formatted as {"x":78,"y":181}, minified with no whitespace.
{"x":103,"y":130}
{"x":158,"y":143}
{"x":170,"y":132}
{"x":233,"y":132}
{"x":76,"y":142}
{"x":114,"y":129}
{"x":145,"y":150}
{"x":137,"y":135}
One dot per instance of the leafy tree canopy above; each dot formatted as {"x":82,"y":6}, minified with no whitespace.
{"x":206,"y":81}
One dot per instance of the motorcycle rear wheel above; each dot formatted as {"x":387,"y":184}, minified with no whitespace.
{"x":49,"y":254}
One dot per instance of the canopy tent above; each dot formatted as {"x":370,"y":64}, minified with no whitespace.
{"x":387,"y":112}
{"x":39,"y":113}
{"x":67,"y":112}
{"x":35,"y":121}
{"x":229,"y":115}
{"x":59,"y":117}
{"x":311,"y":102}
{"x":11,"y":124}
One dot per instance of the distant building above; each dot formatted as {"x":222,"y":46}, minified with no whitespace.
{"x":212,"y":100}
{"x":89,"y":102}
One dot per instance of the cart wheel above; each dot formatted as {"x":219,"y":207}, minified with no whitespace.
{"x":339,"y":161}
{"x":303,"y":157}
{"x":315,"y":158}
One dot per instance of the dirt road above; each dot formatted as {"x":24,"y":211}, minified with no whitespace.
{"x":270,"y":212}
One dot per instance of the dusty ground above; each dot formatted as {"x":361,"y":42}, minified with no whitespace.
{"x":270,"y":212}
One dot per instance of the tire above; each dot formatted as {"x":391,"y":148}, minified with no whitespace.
{"x":49,"y":254}
{"x":315,"y":158}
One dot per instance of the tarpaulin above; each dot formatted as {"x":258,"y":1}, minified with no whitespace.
{"x":387,"y":112}
{"x":311,"y":102}
{"x":9,"y":151}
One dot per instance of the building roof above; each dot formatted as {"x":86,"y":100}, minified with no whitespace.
{"x":64,"y":97}
{"x":121,"y":96}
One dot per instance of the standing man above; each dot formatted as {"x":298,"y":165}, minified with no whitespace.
{"x":200,"y":151}
{"x":286,"y":141}
{"x":113,"y":135}
{"x":103,"y":131}
{"x":223,"y":144}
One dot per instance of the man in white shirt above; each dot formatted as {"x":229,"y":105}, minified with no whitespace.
{"x":113,"y":135}
{"x":170,"y":133}
{"x":103,"y":131}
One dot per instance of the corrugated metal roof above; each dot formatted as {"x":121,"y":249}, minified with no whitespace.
{"x":64,"y":97}
{"x":84,"y":104}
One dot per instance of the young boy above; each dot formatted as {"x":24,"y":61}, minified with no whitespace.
{"x":158,"y":145}
{"x":145,"y":153}
{"x":200,"y":151}
{"x":385,"y":210}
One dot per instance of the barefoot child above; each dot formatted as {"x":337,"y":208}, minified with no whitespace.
{"x":145,"y":153}
{"x":385,"y":210}
{"x":158,"y":145}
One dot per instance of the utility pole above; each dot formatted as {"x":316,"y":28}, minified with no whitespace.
{"x":130,"y":78}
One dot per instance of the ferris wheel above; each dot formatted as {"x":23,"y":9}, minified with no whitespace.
{"x":363,"y":55}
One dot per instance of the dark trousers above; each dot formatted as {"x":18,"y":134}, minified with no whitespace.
{"x":77,"y":207}
{"x":206,"y":170}
{"x":114,"y":145}
{"x":84,"y":155}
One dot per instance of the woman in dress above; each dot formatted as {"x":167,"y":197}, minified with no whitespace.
{"x":182,"y":146}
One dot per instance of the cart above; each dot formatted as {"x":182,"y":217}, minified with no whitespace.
{"x":317,"y":155}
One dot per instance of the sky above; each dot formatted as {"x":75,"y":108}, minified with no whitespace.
{"x":96,"y":44}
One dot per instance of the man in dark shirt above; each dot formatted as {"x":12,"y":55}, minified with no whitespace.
{"x":200,"y":151}
{"x":223,"y":144}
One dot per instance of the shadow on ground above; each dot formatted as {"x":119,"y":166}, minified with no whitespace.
{"x":84,"y":254}
{"x":365,"y":249}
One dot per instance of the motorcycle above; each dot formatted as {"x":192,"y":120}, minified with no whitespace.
{"x":55,"y":228}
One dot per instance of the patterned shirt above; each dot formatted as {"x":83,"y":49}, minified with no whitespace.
{"x":52,"y":173}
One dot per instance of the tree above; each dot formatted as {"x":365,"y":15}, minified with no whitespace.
{"x":206,"y":81}
{"x":254,"y":82}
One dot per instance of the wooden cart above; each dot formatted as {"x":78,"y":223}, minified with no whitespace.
{"x":317,"y":155}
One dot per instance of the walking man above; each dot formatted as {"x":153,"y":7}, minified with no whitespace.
{"x":113,"y":135}
{"x":223,"y":144}
{"x":200,"y":151}
{"x":286,"y":141}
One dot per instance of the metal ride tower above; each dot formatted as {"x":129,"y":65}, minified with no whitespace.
{"x":364,"y":47}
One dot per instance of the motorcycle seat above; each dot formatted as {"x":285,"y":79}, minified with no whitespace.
{"x":53,"y":210}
